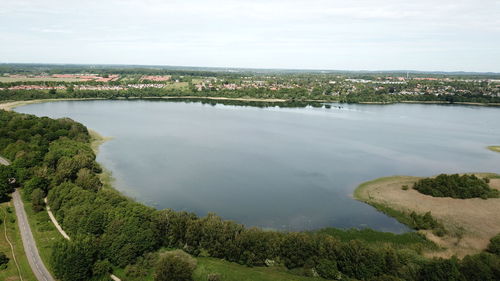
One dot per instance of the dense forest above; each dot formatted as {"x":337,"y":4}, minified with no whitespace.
{"x":292,"y":95}
{"x":456,"y":186}
{"x":108,"y":230}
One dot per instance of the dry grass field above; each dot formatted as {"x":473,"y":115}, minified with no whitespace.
{"x":470,"y":222}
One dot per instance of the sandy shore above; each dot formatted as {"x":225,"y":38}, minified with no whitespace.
{"x":8,"y":106}
{"x":471,"y":222}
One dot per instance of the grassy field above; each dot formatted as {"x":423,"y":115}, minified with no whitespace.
{"x":470,"y":222}
{"x":36,"y":79}
{"x":234,"y":271}
{"x":44,"y":232}
{"x":409,"y":240}
{"x":11,"y":273}
{"x":229,"y":271}
{"x":175,"y":86}
{"x":494,"y":148}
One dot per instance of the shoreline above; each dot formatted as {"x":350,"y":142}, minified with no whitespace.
{"x":469,"y":222}
{"x":106,"y":177}
{"x":10,"y":105}
{"x":108,"y":181}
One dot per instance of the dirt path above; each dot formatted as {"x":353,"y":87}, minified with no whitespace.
{"x":10,"y":244}
{"x":54,"y":221}
{"x":4,"y":161}
{"x":471,"y":222}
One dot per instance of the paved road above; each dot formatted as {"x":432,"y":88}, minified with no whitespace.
{"x":36,"y":263}
{"x":37,"y":266}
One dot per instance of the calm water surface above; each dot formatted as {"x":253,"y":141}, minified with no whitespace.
{"x":281,"y":168}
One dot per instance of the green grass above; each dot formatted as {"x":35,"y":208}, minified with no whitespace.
{"x":409,"y":240}
{"x":229,"y":271}
{"x":44,"y":232}
{"x":234,"y":271}
{"x":494,"y":148}
{"x":11,"y":273}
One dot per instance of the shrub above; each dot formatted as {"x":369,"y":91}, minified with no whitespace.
{"x":328,"y":270}
{"x":175,"y":266}
{"x":3,"y":259}
{"x":101,"y":268}
{"x":494,"y":246}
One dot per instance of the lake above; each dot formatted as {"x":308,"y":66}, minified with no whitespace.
{"x":279,"y":168}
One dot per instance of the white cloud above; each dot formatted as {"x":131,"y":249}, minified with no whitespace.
{"x":356,"y":34}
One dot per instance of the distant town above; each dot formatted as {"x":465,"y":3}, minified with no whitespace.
{"x":335,"y":86}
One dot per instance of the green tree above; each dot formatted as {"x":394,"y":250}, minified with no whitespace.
{"x":86,"y":179}
{"x":6,"y":173}
{"x":440,"y":270}
{"x":34,"y":183}
{"x":37,"y":201}
{"x":73,"y":260}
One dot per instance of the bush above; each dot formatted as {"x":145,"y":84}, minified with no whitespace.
{"x":328,"y":270}
{"x":101,"y":268}
{"x":175,"y":266}
{"x":3,"y":259}
{"x":456,"y":186}
{"x":494,"y":246}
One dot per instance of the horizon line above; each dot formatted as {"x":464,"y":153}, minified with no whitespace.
{"x":259,"y":68}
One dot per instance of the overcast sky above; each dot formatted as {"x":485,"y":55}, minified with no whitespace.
{"x":450,"y":35}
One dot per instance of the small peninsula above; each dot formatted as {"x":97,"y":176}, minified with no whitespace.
{"x":469,"y":223}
